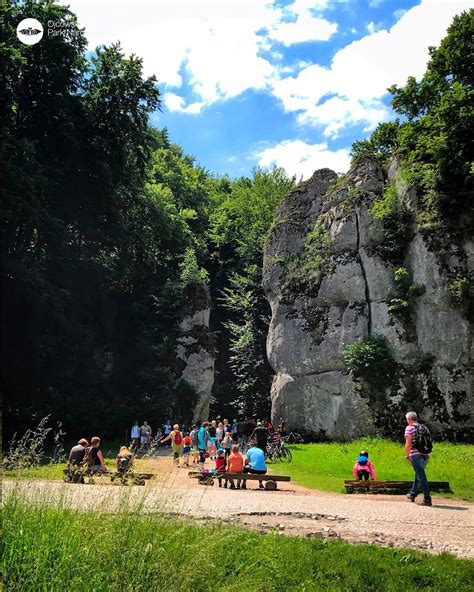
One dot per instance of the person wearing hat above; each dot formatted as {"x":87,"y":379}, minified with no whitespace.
{"x":260,"y":436}
{"x":363,"y":468}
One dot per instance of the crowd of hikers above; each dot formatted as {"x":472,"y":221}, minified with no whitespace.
{"x":224,"y":442}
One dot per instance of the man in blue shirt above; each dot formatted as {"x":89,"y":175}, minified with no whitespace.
{"x":255,"y":463}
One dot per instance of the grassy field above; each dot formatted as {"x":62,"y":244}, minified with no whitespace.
{"x":326,"y":466}
{"x":57,"y":549}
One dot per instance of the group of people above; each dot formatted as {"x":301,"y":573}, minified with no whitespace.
{"x":220,"y":441}
{"x":89,"y":455}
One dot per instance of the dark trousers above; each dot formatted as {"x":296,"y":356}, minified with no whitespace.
{"x":202,"y":455}
{"x":255,"y":472}
{"x":361,"y":475}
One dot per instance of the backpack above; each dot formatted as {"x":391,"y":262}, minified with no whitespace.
{"x":422,"y":439}
{"x":178,"y":438}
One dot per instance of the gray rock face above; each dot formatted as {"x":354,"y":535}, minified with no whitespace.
{"x":330,"y":283}
{"x":195,"y":351}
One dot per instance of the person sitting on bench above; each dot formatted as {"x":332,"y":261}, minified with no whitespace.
{"x":255,"y":463}
{"x":76,"y":455}
{"x":363,"y":468}
{"x":124,"y":461}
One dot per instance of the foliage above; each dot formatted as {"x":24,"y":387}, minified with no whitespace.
{"x":102,"y":223}
{"x":407,"y":292}
{"x":433,"y":140}
{"x":324,"y":466}
{"x":459,"y":290}
{"x":371,"y":360}
{"x":27,"y":451}
{"x":396,"y":220}
{"x":240,"y":218}
{"x":305,"y":269}
{"x":49,"y":548}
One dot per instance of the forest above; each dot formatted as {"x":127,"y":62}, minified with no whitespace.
{"x":110,"y":228}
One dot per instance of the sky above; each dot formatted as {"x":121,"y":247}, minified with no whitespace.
{"x":248,"y":83}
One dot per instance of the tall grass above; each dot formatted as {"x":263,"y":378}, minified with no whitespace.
{"x":55,"y":550}
{"x":326,"y":466}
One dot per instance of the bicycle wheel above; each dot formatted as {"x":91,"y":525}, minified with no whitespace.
{"x":285,"y":455}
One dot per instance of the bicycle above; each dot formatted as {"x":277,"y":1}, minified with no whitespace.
{"x":293,"y":438}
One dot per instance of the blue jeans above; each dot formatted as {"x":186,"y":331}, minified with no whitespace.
{"x":419,"y":462}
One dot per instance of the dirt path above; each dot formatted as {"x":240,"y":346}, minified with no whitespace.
{"x":385,"y":520}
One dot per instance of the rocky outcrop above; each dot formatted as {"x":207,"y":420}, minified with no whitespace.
{"x":195,"y":351}
{"x":330,"y":280}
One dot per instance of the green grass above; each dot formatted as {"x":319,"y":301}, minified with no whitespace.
{"x":58,"y":549}
{"x":326,"y":466}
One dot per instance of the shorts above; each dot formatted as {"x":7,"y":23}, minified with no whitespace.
{"x":186,"y":450}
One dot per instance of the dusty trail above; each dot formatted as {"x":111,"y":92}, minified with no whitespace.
{"x":384,"y":520}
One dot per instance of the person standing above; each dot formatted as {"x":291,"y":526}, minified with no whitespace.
{"x":212,"y":439}
{"x":135,"y":436}
{"x":167,"y":429}
{"x":176,"y":438}
{"x":202,"y":438}
{"x":58,"y":441}
{"x":145,"y":436}
{"x":417,"y":454}
{"x":260,"y":435}
{"x":235,"y":432}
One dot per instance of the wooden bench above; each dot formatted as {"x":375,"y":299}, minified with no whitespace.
{"x":270,"y":480}
{"x":395,"y":487}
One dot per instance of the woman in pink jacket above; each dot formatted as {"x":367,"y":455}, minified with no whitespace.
{"x":363,"y":468}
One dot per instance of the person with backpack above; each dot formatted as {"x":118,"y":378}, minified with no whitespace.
{"x":363,"y":468}
{"x":418,"y":446}
{"x":176,"y":438}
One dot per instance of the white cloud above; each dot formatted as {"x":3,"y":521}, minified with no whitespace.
{"x":305,"y":28}
{"x":302,"y":159}
{"x":375,"y":3}
{"x":215,"y":41}
{"x":176,"y":103}
{"x":361,"y":72}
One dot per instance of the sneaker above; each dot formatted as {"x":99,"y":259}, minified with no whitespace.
{"x":426,"y":503}
{"x":410,"y":497}
{"x":232,"y":486}
{"x":261,"y":487}
{"x":237,"y":486}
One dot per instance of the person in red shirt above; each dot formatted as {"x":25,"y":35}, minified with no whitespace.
{"x":220,"y":464}
{"x":235,"y":464}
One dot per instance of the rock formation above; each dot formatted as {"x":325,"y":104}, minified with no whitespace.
{"x":336,"y":273}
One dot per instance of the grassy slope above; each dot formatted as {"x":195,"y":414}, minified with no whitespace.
{"x":326,"y":466}
{"x":61,"y":550}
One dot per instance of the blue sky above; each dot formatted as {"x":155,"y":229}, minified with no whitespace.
{"x":257,"y":82}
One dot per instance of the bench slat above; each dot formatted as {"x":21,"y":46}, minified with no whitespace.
{"x":254,"y":477}
{"x":394,"y":484}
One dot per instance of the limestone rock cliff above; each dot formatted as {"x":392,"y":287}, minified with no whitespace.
{"x":331,"y":281}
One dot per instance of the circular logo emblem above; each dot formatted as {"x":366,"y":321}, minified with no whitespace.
{"x":29,"y":31}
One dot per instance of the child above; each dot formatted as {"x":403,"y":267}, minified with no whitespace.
{"x":227,"y":444}
{"x":235,"y":465}
{"x":363,"y":468}
{"x":186,"y":449}
{"x":220,"y":465}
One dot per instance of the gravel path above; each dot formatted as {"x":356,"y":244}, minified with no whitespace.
{"x":385,"y":520}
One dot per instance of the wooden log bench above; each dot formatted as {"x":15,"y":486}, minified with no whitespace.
{"x":394,"y":487}
{"x":271,"y":481}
